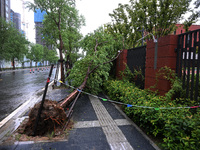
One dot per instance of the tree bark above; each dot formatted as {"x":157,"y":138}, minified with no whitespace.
{"x":72,"y":95}
{"x":61,"y":66}
{"x":13,"y":63}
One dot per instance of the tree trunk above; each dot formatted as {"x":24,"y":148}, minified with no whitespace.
{"x":71,"y":96}
{"x":13,"y":63}
{"x":61,"y":66}
{"x":67,"y":64}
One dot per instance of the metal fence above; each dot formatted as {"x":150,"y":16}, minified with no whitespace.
{"x":188,"y":63}
{"x":136,"y":58}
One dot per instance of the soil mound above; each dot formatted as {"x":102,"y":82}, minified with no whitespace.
{"x":53,"y":118}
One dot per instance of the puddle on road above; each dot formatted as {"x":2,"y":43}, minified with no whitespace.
{"x":18,"y":121}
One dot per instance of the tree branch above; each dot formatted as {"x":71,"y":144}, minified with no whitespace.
{"x":106,"y":62}
{"x":97,"y":44}
{"x":95,"y":48}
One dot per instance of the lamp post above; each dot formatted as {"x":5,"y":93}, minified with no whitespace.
{"x":142,"y":35}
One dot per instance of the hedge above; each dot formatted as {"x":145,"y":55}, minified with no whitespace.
{"x":178,"y":128}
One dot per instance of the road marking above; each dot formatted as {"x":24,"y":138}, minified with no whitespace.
{"x":114,"y":135}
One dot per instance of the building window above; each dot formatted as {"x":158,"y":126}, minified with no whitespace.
{"x":6,"y":2}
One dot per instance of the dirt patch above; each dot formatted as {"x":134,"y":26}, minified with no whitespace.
{"x":19,"y":134}
{"x":51,"y":126}
{"x":52,"y":119}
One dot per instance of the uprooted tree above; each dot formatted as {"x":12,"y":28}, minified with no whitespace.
{"x":101,"y":49}
{"x":88,"y":74}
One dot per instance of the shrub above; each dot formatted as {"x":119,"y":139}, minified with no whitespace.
{"x":179,"y":128}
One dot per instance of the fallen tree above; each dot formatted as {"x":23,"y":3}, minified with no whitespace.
{"x":101,"y":50}
{"x":87,"y":74}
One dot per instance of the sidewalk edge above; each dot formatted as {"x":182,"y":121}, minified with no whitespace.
{"x":136,"y":127}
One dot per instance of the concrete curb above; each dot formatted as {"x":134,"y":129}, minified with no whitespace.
{"x":9,"y":124}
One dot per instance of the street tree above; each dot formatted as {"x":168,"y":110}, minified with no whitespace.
{"x":93,"y":69}
{"x":13,"y":45}
{"x":35,"y":53}
{"x":73,"y":36}
{"x":195,"y":14}
{"x":52,"y":56}
{"x":4,"y":32}
{"x":59,"y":14}
{"x":157,"y":17}
{"x":49,"y":55}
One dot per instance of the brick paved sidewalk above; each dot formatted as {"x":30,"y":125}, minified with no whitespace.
{"x":98,"y":126}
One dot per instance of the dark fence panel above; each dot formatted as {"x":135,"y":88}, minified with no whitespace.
{"x":188,"y":63}
{"x":136,"y":58}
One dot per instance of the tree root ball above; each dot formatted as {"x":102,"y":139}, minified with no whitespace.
{"x":52,"y":118}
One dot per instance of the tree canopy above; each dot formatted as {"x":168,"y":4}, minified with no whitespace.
{"x":194,"y":16}
{"x":49,"y":55}
{"x":100,"y":48}
{"x":35,"y":53}
{"x":156,"y":16}
{"x":13,"y":44}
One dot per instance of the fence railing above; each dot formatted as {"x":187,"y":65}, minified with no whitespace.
{"x":188,"y":63}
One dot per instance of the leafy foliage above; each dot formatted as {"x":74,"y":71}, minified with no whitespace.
{"x":60,"y":23}
{"x":100,"y":49}
{"x":35,"y":53}
{"x":13,"y":44}
{"x":193,"y":17}
{"x":134,"y":77}
{"x":49,"y":55}
{"x":178,"y":128}
{"x":156,"y":16}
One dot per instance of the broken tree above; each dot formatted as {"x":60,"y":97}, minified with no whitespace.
{"x":101,"y":49}
{"x":87,"y":73}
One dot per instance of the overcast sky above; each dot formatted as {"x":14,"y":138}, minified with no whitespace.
{"x":95,"y":13}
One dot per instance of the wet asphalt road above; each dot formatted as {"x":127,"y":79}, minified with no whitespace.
{"x":17,"y":87}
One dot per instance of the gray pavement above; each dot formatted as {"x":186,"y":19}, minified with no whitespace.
{"x":98,"y":125}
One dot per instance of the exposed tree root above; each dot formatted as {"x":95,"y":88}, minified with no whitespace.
{"x":52,"y":117}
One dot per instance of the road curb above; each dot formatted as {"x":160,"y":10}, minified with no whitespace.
{"x":9,"y":124}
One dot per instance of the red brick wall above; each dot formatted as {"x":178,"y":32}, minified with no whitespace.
{"x":120,"y":63}
{"x":180,"y":28}
{"x":166,"y":56}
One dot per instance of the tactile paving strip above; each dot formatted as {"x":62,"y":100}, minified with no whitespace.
{"x":114,"y":135}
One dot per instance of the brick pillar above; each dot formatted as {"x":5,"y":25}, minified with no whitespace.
{"x":120,"y":63}
{"x":166,"y":56}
